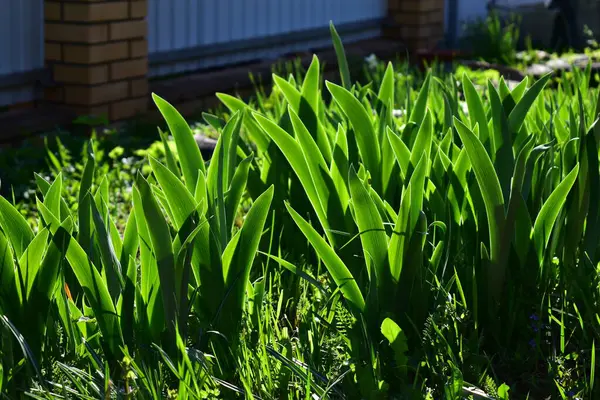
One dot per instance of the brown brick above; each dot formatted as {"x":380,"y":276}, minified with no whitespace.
{"x":93,"y":95}
{"x":52,"y":11}
{"x":408,"y":18}
{"x":52,"y":51}
{"x":96,"y":53}
{"x":138,"y":48}
{"x":138,"y":8}
{"x":95,"y":111}
{"x":436,"y":17}
{"x":76,"y":33}
{"x":95,"y":12}
{"x":127,"y":30}
{"x":394,"y":5}
{"x":139,"y":87}
{"x":54,"y":94}
{"x":421,"y":5}
{"x":128,"y":108}
{"x":128,"y":69}
{"x":83,"y":75}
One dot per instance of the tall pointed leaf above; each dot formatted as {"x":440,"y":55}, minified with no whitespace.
{"x":544,"y":223}
{"x":163,"y":251}
{"x":336,"y":267}
{"x":341,"y":57}
{"x":366,"y":138}
{"x":372,"y":232}
{"x":15,"y":227}
{"x":518,"y":114}
{"x":187,"y":149}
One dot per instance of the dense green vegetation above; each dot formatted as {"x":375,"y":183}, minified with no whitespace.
{"x":412,"y":237}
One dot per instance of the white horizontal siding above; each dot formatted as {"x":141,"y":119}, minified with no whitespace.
{"x":185,"y":24}
{"x":21,"y":45}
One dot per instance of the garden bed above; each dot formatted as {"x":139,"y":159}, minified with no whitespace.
{"x":411,"y":235}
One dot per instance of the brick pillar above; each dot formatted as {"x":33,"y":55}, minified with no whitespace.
{"x":98,"y":53}
{"x":418,"y":23}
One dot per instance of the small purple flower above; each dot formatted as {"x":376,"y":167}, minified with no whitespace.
{"x":570,"y":393}
{"x":532,"y":343}
{"x":534,"y":317}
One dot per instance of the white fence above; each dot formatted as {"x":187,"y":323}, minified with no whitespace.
{"x":187,"y":35}
{"x":21,"y":49}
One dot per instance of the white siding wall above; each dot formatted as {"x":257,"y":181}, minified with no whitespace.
{"x":21,"y":45}
{"x":184,"y":24}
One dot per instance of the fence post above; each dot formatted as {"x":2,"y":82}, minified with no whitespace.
{"x":418,"y":23}
{"x":98,"y":54}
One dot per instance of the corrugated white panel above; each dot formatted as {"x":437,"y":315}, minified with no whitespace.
{"x":21,"y":45}
{"x":187,"y":24}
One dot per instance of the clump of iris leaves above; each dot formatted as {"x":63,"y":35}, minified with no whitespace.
{"x":414,"y":236}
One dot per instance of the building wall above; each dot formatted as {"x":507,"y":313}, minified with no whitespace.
{"x":236,"y":30}
{"x":21,"y":48}
{"x":100,"y":54}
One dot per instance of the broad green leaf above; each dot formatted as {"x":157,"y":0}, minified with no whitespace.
{"x":423,"y":140}
{"x":294,"y":155}
{"x":130,"y":240}
{"x":8,"y":294}
{"x":127,"y":301}
{"x":386,"y":90}
{"x":502,"y":148}
{"x":476,"y":109}
{"x":218,"y":177}
{"x":372,"y":232}
{"x":366,"y":138}
{"x":15,"y":227}
{"x":213,"y":121}
{"x":180,"y":200}
{"x":519,"y":90}
{"x":491,"y":192}
{"x":30,"y":261}
{"x":163,"y":251}
{"x":310,"y":86}
{"x":171,"y":162}
{"x":341,"y":57}
{"x":237,"y":269}
{"x":187,"y":149}
{"x":291,"y":94}
{"x":592,"y":231}
{"x":50,"y":221}
{"x":339,"y":167}
{"x":408,"y":216}
{"x":44,"y":186}
{"x":97,"y":296}
{"x":236,"y":190}
{"x":401,"y":151}
{"x":110,"y":260}
{"x":252,"y":129}
{"x":149,"y":277}
{"x":336,"y":267}
{"x":319,"y":171}
{"x":418,"y":112}
{"x":544,"y":223}
{"x":397,"y":340}
{"x":518,"y":114}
